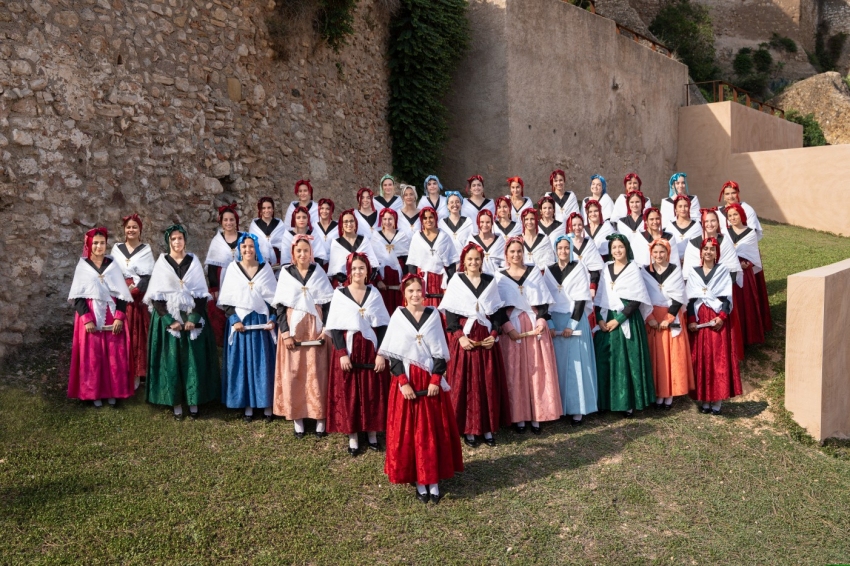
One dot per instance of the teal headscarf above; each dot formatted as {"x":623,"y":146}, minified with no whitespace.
{"x":569,"y":239}
{"x":170,"y":230}
{"x":432,"y":178}
{"x":675,"y":178}
{"x":454,"y":194}
{"x":242,"y":238}
{"x":381,"y":183}
{"x":620,"y":237}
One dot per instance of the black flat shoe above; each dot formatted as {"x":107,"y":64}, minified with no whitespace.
{"x":473,"y":443}
{"x":353,"y":451}
{"x":435,"y":499}
{"x":321,"y":434}
{"x":535,"y":429}
{"x":423,"y":497}
{"x":193,"y":416}
{"x":519,"y":429}
{"x":248,"y":418}
{"x":628,"y":414}
{"x":490,"y":441}
{"x":705,"y":410}
{"x":659,"y":406}
{"x":299,"y":435}
{"x":716,"y":412}
{"x":375,"y":446}
{"x":576,"y":422}
{"x":268,"y":418}
{"x":668,"y":407}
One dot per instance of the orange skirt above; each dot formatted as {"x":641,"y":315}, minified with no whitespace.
{"x":671,"y":357}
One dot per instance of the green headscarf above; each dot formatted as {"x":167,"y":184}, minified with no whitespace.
{"x":381,"y":183}
{"x":169,"y":230}
{"x":621,"y":238}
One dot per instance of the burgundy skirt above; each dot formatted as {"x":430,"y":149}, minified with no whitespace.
{"x":138,"y":324}
{"x":357,"y":400}
{"x":715,"y":358}
{"x":746,"y":301}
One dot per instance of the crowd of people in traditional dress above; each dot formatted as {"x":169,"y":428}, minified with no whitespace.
{"x":435,"y":320}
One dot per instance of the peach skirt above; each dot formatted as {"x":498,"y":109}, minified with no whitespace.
{"x":671,"y":357}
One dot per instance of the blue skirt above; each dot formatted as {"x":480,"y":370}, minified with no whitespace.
{"x":248,"y":370}
{"x":576,"y":366}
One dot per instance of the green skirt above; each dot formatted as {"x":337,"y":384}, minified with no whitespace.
{"x":623,"y":367}
{"x":181,"y":370}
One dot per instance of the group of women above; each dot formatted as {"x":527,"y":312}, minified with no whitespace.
{"x":433,"y":320}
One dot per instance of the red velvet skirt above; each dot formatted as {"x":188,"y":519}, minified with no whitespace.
{"x":392,"y":298}
{"x":479,"y":388}
{"x":434,"y":287}
{"x":764,"y":302}
{"x":715,"y":358}
{"x":215,"y":317}
{"x":357,"y":400}
{"x":746,"y":301}
{"x":423,"y":444}
{"x":138,"y":324}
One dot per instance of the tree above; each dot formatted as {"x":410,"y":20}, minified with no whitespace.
{"x":685,"y":27}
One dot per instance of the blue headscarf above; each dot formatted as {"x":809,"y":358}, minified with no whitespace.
{"x":601,"y":180}
{"x":568,"y":238}
{"x":434,"y":178}
{"x":675,"y":178}
{"x":452,"y":194}
{"x":242,"y":238}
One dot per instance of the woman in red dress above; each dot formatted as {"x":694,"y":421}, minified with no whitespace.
{"x":432,"y":255}
{"x":358,"y":382}
{"x":748,"y":298}
{"x":474,"y":312}
{"x":391,"y":247}
{"x":422,"y":438}
{"x":220,"y":254}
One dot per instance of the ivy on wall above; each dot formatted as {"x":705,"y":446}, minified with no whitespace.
{"x":427,"y":41}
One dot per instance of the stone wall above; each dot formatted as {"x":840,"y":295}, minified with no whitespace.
{"x":166,"y":108}
{"x":826,"y":96}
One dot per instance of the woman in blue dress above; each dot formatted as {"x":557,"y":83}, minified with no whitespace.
{"x":249,"y":335}
{"x":569,"y":282}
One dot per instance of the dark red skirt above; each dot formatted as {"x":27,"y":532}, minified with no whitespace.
{"x":715,"y":358}
{"x":479,"y":388}
{"x":423,"y":444}
{"x":138,"y":323}
{"x":215,"y":316}
{"x":357,"y":400}
{"x":764,"y":302}
{"x":392,"y":298}
{"x":745,"y":300}
{"x":434,"y":290}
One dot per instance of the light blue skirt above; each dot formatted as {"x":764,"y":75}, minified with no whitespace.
{"x":248,"y":371}
{"x":576,"y":366}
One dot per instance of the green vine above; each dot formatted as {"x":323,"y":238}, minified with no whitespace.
{"x":332,"y":20}
{"x":335,"y":21}
{"x":427,"y":41}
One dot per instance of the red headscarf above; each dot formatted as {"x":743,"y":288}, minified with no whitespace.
{"x":702,"y":214}
{"x":517,"y":180}
{"x":228,"y":208}
{"x":706,"y":242}
{"x":646,"y":213}
{"x":554,"y":174}
{"x":526,"y":212}
{"x":568,"y":225}
{"x":362,"y":257}
{"x":391,"y":212}
{"x":642,"y":200}
{"x":593,"y":202}
{"x":676,"y":200}
{"x":371,"y":195}
{"x":632,"y":176}
{"x":260,"y":203}
{"x":483,"y":212}
{"x":513,"y":240}
{"x":732,"y":184}
{"x":507,"y":201}
{"x":90,"y":237}
{"x":469,"y":182}
{"x":304,"y":182}
{"x":422,"y":214}
{"x":741,"y":212}
{"x":466,"y":249}
{"x":545,"y":198}
{"x":135,"y":218}
{"x":328,"y":202}
{"x":341,"y":216}
{"x":404,"y":280}
{"x":305,"y":211}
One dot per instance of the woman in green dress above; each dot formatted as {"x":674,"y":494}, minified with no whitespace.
{"x":182,"y":357}
{"x":623,"y":367}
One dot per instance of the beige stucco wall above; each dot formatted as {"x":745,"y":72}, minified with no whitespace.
{"x":560,"y":89}
{"x":817,"y":388}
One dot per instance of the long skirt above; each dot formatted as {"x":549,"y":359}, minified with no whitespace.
{"x":715,"y":361}
{"x":764,"y":302}
{"x":392,"y":297}
{"x":734,"y":323}
{"x":747,"y":302}
{"x":247,"y":378}
{"x":479,"y":388}
{"x":138,"y":323}
{"x":423,"y":445}
{"x":357,"y":400}
{"x":100,"y":361}
{"x":623,"y":368}
{"x":532,"y":375}
{"x":671,"y":357}
{"x":181,"y":370}
{"x":576,"y":366}
{"x":434,"y":290}
{"x":215,"y":316}
{"x":301,"y":376}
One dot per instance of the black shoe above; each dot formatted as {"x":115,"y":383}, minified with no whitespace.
{"x":423,"y":497}
{"x":193,"y":416}
{"x":659,"y":406}
{"x":353,"y":451}
{"x":179,"y":417}
{"x":716,"y":412}
{"x":375,"y":446}
{"x":668,"y":407}
{"x":535,"y":429}
{"x":299,"y":435}
{"x":321,"y":434}
{"x":248,"y":418}
{"x":628,"y":414}
{"x":473,"y":443}
{"x":113,"y":405}
{"x":490,"y":441}
{"x":705,"y":410}
{"x":519,"y":429}
{"x":574,"y":422}
{"x":268,"y":418}
{"x":435,"y":499}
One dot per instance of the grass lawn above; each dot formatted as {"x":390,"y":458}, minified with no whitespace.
{"x":79,"y":485}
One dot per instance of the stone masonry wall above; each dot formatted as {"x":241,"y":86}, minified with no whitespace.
{"x":167,"y":108}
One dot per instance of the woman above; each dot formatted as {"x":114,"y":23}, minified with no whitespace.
{"x":473,"y":310}
{"x":100,"y":353}
{"x":358,"y":383}
{"x":530,"y":366}
{"x":391,"y":247}
{"x":367,"y":216}
{"x":678,"y":187}
{"x":182,"y":357}
{"x":492,"y":245}
{"x":683,"y":228}
{"x":538,"y":248}
{"x":669,"y":349}
{"x":458,"y":227}
{"x":220,"y":254}
{"x":569,"y":283}
{"x":432,"y":197}
{"x":302,"y":299}
{"x":504,"y":226}
{"x":519,"y":202}
{"x":348,"y":242}
{"x":623,"y":369}
{"x":598,"y":228}
{"x":749,"y":298}
{"x":432,"y":255}
{"x":553,"y":229}
{"x":631,"y":183}
{"x":301,"y":226}
{"x":422,"y":438}
{"x":387,"y":197}
{"x":584,"y":250}
{"x":135,"y":260}
{"x":250,"y":336}
{"x":327,"y":226}
{"x":476,"y":201}
{"x":409,"y":213}
{"x":632,"y":225}
{"x":564,"y":201}
{"x":599,"y":193}
{"x":269,"y":230}
{"x":652,"y":232}
{"x":713,"y":348}
{"x":731,"y":194}
{"x":304,"y":192}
